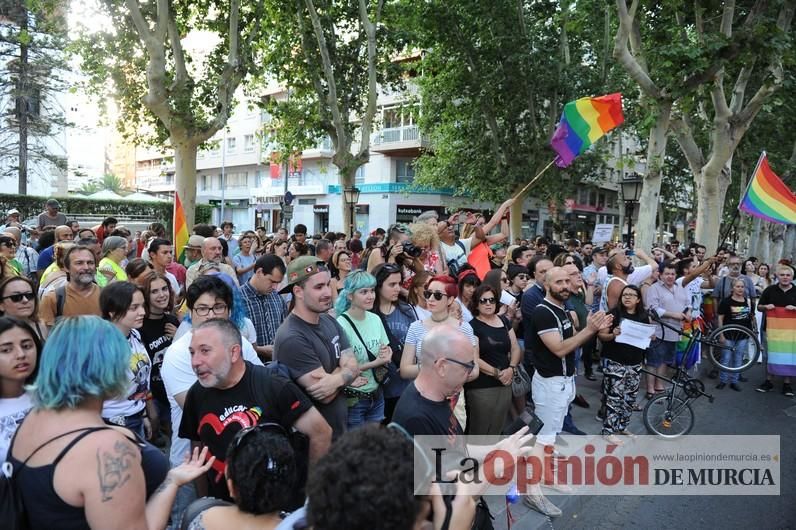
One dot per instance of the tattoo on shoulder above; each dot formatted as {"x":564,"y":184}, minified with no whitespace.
{"x":113,"y":468}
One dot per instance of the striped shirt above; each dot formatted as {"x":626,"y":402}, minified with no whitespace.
{"x":266,"y":311}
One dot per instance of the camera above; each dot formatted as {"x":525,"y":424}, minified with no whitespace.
{"x":411,"y":250}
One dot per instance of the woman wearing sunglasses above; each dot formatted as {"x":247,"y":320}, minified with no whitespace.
{"x":440,"y":295}
{"x":18,"y":299}
{"x":261,"y":475}
{"x":8,"y":251}
{"x":19,"y":359}
{"x":488,"y":398}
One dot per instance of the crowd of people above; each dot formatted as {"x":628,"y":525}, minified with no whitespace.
{"x":277,"y":380}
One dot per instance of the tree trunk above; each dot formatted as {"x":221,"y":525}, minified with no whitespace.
{"x":347,"y":179}
{"x":762,"y":251}
{"x":754,"y":237}
{"x":711,"y":191}
{"x":789,"y":248}
{"x":515,"y":227}
{"x":185,"y":177}
{"x":650,"y":193}
{"x":23,"y":106}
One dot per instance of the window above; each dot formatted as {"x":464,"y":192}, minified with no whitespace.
{"x":392,"y":118}
{"x":231,"y":144}
{"x":236,"y":180}
{"x":207,"y":182}
{"x":404,"y":170}
{"x":248,"y":143}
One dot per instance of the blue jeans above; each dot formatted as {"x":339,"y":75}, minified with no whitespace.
{"x":366,"y":411}
{"x":732,"y":355}
{"x":186,"y":494}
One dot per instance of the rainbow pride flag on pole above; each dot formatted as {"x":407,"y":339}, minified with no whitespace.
{"x":767,"y":197}
{"x":180,"y":228}
{"x":583,"y":122}
{"x":781,"y":341}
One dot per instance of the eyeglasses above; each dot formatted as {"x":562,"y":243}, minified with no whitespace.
{"x":436,"y":294}
{"x":16,"y":298}
{"x":204,"y":310}
{"x":468,"y":366}
{"x":490,"y":300}
{"x":523,"y":276}
{"x":630,"y":295}
{"x":9,"y":244}
{"x":504,"y":280}
{"x":391,"y":268}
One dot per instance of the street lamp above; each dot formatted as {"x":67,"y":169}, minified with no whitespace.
{"x":351,"y":196}
{"x":631,"y":192}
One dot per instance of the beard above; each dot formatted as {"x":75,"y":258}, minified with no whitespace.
{"x":561,"y":296}
{"x":628,"y":269}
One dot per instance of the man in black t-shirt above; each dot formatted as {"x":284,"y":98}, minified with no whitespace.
{"x":781,"y":294}
{"x":232,"y":394}
{"x":553,"y":344}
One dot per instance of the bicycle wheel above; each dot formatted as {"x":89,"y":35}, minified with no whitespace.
{"x":729,"y":350}
{"x":668,"y":417}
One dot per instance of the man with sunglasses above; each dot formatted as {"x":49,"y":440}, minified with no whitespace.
{"x":313,"y":345}
{"x":231,"y":394}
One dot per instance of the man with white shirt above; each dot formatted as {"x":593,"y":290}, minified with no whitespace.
{"x":208,"y":297}
{"x":619,"y":271}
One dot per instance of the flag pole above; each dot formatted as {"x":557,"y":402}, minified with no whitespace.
{"x":534,"y":179}
{"x":738,"y":209}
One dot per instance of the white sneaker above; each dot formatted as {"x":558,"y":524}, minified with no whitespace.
{"x":541,"y":504}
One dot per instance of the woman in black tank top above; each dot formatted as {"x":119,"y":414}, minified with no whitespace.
{"x":73,"y":471}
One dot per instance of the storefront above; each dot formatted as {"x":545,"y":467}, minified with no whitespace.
{"x":406,"y":213}
{"x":321,"y":212}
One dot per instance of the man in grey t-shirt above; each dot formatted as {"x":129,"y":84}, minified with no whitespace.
{"x":51,"y":216}
{"x":312,"y":344}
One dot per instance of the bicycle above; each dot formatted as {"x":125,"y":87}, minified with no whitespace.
{"x":670,"y":415}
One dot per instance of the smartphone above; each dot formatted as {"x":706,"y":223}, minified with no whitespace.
{"x":525,"y":418}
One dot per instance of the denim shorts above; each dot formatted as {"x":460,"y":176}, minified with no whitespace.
{"x":660,"y":352}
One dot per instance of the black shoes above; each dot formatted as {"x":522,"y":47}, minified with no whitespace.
{"x":720,"y":386}
{"x":581,"y":401}
{"x":735,"y":387}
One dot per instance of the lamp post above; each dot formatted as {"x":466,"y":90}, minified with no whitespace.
{"x":631,"y":192}
{"x":351,"y":196}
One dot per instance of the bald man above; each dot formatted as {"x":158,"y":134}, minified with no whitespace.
{"x":211,"y":254}
{"x":553,"y":343}
{"x":46,"y":257}
{"x":446,"y":361}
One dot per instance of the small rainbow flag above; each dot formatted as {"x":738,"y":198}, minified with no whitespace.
{"x":781,"y":341}
{"x":180,"y":228}
{"x":583,"y":122}
{"x":767,"y":197}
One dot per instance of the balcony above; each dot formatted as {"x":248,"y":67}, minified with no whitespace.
{"x":323,"y":149}
{"x":399,"y":141}
{"x":305,"y":183}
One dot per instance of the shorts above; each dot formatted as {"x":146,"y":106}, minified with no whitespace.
{"x":551,"y":399}
{"x":660,"y":352}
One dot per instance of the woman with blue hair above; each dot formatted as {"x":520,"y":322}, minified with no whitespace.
{"x":70,"y":468}
{"x":371,"y":347}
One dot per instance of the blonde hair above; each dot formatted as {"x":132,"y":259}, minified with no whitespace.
{"x":59,"y":253}
{"x":424,"y":234}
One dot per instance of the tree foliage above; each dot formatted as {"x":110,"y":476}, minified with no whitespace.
{"x":33,"y":58}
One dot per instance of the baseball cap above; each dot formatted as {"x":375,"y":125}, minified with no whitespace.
{"x":600,"y":249}
{"x":54,"y":203}
{"x":13,"y":211}
{"x":300,"y":269}
{"x":195,"y":241}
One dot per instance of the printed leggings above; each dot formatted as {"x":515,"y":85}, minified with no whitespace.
{"x":620,"y":386}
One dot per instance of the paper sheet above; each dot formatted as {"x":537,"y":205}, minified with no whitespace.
{"x":635,"y":334}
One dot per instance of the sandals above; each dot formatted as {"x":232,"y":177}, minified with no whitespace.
{"x":649,"y":395}
{"x":612,"y":439}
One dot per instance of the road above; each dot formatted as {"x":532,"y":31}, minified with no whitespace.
{"x":745,"y":412}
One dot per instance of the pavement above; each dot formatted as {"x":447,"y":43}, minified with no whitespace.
{"x":745,"y":412}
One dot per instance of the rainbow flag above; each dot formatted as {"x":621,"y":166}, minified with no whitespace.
{"x":781,"y":341}
{"x":583,"y":122}
{"x":767,"y":197}
{"x":180,"y":228}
